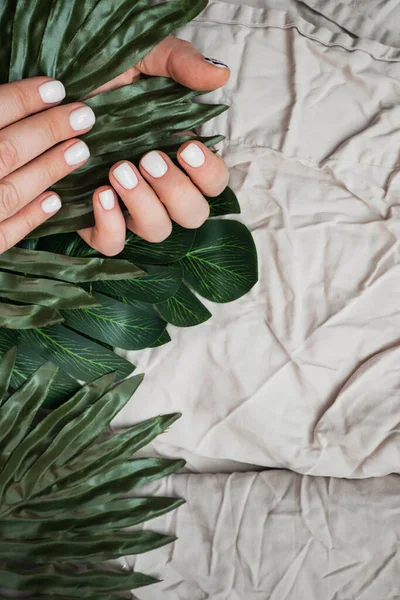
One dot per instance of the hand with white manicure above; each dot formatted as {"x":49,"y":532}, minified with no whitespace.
{"x":158,"y":192}
{"x":37,"y":149}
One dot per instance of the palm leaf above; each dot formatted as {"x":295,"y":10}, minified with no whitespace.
{"x":61,"y":482}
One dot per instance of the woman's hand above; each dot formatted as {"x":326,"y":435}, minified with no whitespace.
{"x":36,"y":151}
{"x":158,"y":192}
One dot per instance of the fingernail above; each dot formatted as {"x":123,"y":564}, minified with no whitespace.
{"x":76,"y":154}
{"x":52,"y":91}
{"x":154,"y":164}
{"x":107,"y":199}
{"x":51,"y":204}
{"x":217,"y":63}
{"x":126,"y":176}
{"x":193,"y":156}
{"x":82,"y":118}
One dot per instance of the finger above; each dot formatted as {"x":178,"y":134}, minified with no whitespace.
{"x":184,"y":202}
{"x":179,"y":60}
{"x":43,"y":131}
{"x":148,"y":217}
{"x":23,"y":98}
{"x":28,"y":182}
{"x":108,"y":234}
{"x":13,"y":230}
{"x":207,"y":170}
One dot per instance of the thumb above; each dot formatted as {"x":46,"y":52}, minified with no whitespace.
{"x":179,"y":60}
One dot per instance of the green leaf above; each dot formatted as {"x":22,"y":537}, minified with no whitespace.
{"x":158,"y":285}
{"x":118,"y":324}
{"x":165,"y":338}
{"x":62,"y":580}
{"x":43,"y":292}
{"x":161,"y":109}
{"x":78,"y":549}
{"x":6,"y":368}
{"x":170,"y":251}
{"x":66,"y":268}
{"x":17,"y":414}
{"x":7,"y":8}
{"x":224,"y":204}
{"x":27,"y":362}
{"x":184,"y":309}
{"x":27,"y":317}
{"x":61,"y":483}
{"x":85,"y":58}
{"x":77,"y":355}
{"x":222,"y":264}
{"x":121,"y":514}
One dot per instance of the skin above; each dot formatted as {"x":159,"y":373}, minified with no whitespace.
{"x":34,"y":137}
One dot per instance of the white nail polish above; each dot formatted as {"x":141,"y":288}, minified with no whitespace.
{"x":193,"y":156}
{"x":216,"y":63}
{"x":154,"y":164}
{"x":126,"y":176}
{"x":107,"y":199}
{"x":76,"y":154}
{"x":51,"y":204}
{"x":82,"y":118}
{"x":52,"y":91}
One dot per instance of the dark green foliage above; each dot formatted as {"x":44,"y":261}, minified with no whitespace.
{"x":61,"y":482}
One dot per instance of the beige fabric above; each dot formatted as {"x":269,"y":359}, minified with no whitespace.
{"x":277,"y":536}
{"x":302,"y":373}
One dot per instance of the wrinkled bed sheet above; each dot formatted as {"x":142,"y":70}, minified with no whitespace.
{"x":277,"y":536}
{"x":302,"y":373}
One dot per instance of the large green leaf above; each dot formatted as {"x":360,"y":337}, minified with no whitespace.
{"x":118,"y":324}
{"x":171,"y":250}
{"x":77,"y":355}
{"x":184,"y":309}
{"x":61,"y":482}
{"x":157,"y":286}
{"x":222,"y":263}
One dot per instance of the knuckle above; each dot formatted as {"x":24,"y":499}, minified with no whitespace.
{"x":8,"y":156}
{"x":9,"y":200}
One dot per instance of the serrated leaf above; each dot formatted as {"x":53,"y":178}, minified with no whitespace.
{"x":117,"y":324}
{"x":184,"y":309}
{"x":222,"y":264}
{"x":77,"y":355}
